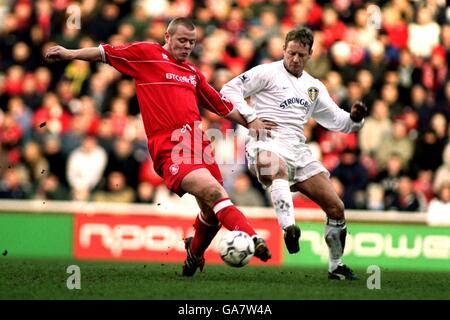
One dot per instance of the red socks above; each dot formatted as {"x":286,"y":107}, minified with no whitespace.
{"x":204,"y":234}
{"x":231,"y":217}
{"x":228,"y":215}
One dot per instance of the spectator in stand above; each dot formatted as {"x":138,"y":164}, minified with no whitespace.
{"x":390,"y":94}
{"x":365,"y":80}
{"x":335,"y":86}
{"x":243,"y":194}
{"x":405,"y":198}
{"x":427,"y":152}
{"x":378,"y":122}
{"x":439,"y":208}
{"x":408,"y":75}
{"x":421,"y":105}
{"x":423,"y":34}
{"x":22,"y":115}
{"x":354,"y":93}
{"x":319,"y":65}
{"x":435,"y":71}
{"x":145,"y":193}
{"x":10,"y":138}
{"x":375,"y":197}
{"x":340,"y":58}
{"x":397,"y":142}
{"x":73,"y":138}
{"x":424,"y":184}
{"x":85,"y":167}
{"x":116,"y":190}
{"x":388,"y":177}
{"x":12,"y":185}
{"x":333,"y":29}
{"x":122,"y":159}
{"x":35,"y":164}
{"x":353,"y":176}
{"x":50,"y":188}
{"x":395,"y":27}
{"x":377,"y":63}
{"x":439,"y":124}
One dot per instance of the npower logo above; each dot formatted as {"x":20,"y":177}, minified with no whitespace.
{"x":134,"y":237}
{"x":151,"y":238}
{"x":372,"y":244}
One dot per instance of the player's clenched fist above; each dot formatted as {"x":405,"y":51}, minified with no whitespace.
{"x":358,"y":111}
{"x":57,"y":53}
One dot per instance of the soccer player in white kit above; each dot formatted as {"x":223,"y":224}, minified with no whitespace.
{"x":283,"y":94}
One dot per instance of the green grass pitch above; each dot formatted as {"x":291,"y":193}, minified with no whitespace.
{"x":37,"y":279}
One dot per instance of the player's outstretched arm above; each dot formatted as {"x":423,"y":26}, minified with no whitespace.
{"x":59,"y":53}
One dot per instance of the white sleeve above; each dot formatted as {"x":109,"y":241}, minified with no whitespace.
{"x":244,"y":86}
{"x":328,"y":114}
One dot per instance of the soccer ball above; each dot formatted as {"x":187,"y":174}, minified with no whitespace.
{"x":236,"y":248}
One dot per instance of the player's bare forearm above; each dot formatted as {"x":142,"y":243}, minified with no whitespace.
{"x":59,"y":53}
{"x":235,"y":116}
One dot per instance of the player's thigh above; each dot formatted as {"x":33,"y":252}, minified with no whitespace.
{"x":270,"y":166}
{"x":203,"y":185}
{"x":319,"y":189}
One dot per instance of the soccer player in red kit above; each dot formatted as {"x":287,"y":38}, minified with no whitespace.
{"x":169,"y":90}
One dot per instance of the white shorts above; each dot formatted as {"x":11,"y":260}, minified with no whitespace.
{"x":297,"y":156}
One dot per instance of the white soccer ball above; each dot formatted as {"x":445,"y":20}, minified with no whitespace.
{"x":236,"y":248}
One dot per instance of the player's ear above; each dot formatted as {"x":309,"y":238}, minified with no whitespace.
{"x":166,"y":36}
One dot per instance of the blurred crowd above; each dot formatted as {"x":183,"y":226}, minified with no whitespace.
{"x":73,"y":130}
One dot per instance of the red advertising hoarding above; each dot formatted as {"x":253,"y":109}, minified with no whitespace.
{"x":153,"y":238}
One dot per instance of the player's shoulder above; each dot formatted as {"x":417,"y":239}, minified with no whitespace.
{"x":313,"y":82}
{"x":193,"y":67}
{"x":265,"y":70}
{"x":142,"y":44}
{"x":270,"y":67}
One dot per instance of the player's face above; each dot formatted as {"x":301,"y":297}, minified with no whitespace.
{"x":296,"y":55}
{"x":181,"y":43}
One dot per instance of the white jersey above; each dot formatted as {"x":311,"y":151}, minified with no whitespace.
{"x":280,"y":97}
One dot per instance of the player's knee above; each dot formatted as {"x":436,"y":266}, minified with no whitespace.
{"x":336,"y":210}
{"x":211,"y":194}
{"x":269,"y":173}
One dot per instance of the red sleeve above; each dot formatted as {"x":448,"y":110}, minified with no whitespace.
{"x":212,"y":100}
{"x":125,"y":58}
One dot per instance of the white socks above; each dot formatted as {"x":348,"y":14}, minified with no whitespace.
{"x":335,"y":234}
{"x":282,"y":202}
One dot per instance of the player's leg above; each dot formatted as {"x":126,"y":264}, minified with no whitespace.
{"x":205,"y":187}
{"x":206,"y":226}
{"x":319,"y":189}
{"x":272,"y":172}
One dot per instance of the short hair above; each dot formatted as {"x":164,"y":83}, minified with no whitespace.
{"x":303,"y":35}
{"x":172,"y":27}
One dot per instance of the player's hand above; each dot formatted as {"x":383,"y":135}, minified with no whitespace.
{"x":58,"y":53}
{"x":261,"y":128}
{"x":358,"y":111}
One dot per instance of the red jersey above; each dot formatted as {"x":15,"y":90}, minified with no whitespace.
{"x":168,"y":91}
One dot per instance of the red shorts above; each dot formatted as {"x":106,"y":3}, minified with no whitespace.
{"x":177,"y":153}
